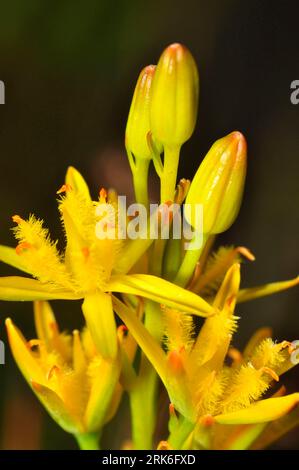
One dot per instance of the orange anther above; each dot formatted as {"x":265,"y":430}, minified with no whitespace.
{"x":64,"y":189}
{"x":17,"y":219}
{"x":85,"y":252}
{"x":235,"y":355}
{"x":207,"y":420}
{"x":175,"y":362}
{"x":164,"y":445}
{"x":23,"y":246}
{"x":36,"y":386}
{"x":246,"y":253}
{"x":172,"y":410}
{"x":53,"y":370}
{"x":103,"y":195}
{"x":270,"y":372}
{"x":33,"y":342}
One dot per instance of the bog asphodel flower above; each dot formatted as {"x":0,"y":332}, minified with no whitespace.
{"x":86,"y":269}
{"x":214,"y":404}
{"x":78,"y":387}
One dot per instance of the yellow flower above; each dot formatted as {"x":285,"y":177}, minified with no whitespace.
{"x":75,"y":384}
{"x":88,"y":267}
{"x":202,"y":387}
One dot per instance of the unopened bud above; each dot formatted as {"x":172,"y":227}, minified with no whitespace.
{"x":138,"y":124}
{"x":218,"y":184}
{"x":174,"y":101}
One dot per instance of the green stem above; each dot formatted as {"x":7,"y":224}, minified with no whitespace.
{"x":169,"y":174}
{"x":140,"y":181}
{"x":143,"y":397}
{"x":188,"y":265}
{"x":179,"y":435}
{"x":88,"y":441}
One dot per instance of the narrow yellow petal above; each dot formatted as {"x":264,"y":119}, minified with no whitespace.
{"x":229,"y":288}
{"x":56,"y":408}
{"x":261,"y":412}
{"x":276,"y":429}
{"x":23,"y":288}
{"x":44,"y":320}
{"x":79,"y":359}
{"x":99,"y":316}
{"x":161,"y":291}
{"x":267,"y":289}
{"x":147,"y":343}
{"x":77,"y":182}
{"x":9,"y":256}
{"x":104,"y":375}
{"x":22,"y":354}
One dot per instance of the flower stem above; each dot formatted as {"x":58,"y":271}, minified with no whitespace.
{"x":169,"y":175}
{"x":188,"y":265}
{"x":143,"y":397}
{"x":88,"y":441}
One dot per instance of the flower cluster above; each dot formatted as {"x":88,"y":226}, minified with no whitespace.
{"x":142,"y":298}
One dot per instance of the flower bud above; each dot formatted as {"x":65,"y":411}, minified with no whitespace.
{"x":138,"y":124}
{"x":174,"y":101}
{"x":218,"y":184}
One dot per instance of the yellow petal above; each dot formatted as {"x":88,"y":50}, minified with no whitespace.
{"x":99,"y":316}
{"x":277,"y":429}
{"x":104,"y":376}
{"x":77,"y":182}
{"x":79,"y":359}
{"x":9,"y":256}
{"x":267,"y":289}
{"x":161,"y":291}
{"x":262,"y":411}
{"x":148,"y":344}
{"x":56,"y":408}
{"x":44,"y":320}
{"x":229,"y":288}
{"x":22,"y":354}
{"x":23,"y":288}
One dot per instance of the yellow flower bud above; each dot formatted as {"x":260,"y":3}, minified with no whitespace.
{"x":218,"y":184}
{"x":138,"y":124}
{"x":174,"y":102}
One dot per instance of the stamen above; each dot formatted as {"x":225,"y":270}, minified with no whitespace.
{"x":267,"y":370}
{"x":33,"y":342}
{"x":17,"y":219}
{"x":85,"y":252}
{"x":103,"y":195}
{"x":246,"y":253}
{"x":22,"y":247}
{"x":235,"y":355}
{"x":164,"y":445}
{"x":207,"y":421}
{"x":172,"y":410}
{"x":64,"y":189}
{"x":175,"y":362}
{"x":53,"y":370}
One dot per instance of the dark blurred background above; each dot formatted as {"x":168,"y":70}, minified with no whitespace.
{"x":70,"y":69}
